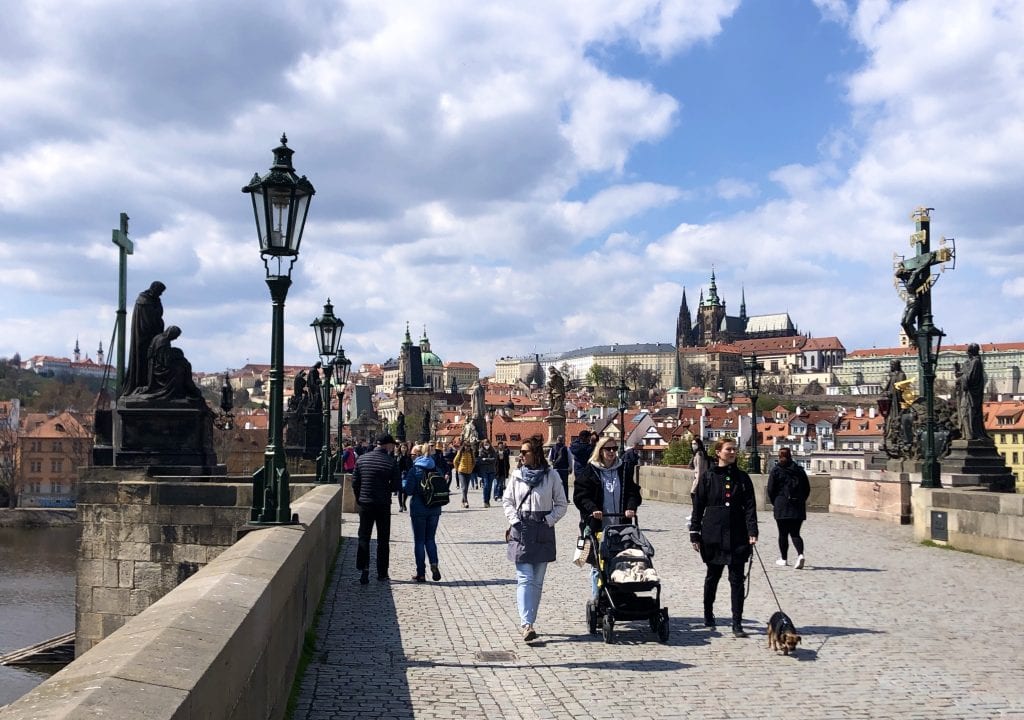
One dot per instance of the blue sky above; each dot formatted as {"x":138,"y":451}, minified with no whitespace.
{"x":524,"y":178}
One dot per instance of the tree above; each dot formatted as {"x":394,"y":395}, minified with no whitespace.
{"x":695,"y":374}
{"x":601,"y":376}
{"x":678,"y":452}
{"x":8,"y":463}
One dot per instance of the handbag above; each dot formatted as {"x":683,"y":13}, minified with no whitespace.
{"x":531,"y":540}
{"x":508,"y":530}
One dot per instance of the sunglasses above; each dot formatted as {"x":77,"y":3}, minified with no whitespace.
{"x":525,"y":450}
{"x":612,"y":449}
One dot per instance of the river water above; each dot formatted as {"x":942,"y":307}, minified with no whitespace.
{"x":37,"y":598}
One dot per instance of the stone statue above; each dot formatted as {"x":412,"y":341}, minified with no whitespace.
{"x":298,"y":401}
{"x":313,"y":385}
{"x":478,"y":402}
{"x":892,"y":393}
{"x":170,"y":373}
{"x":971,"y":386}
{"x":147,"y":323}
{"x":556,"y":392}
{"x":400,"y":427}
{"x":469,"y":433}
{"x":425,"y":428}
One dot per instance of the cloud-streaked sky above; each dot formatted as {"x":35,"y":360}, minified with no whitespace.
{"x":518,"y":177}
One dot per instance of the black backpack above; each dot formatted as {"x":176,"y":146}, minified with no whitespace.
{"x":434,"y":489}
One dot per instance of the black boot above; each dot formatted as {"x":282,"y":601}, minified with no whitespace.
{"x":709,"y":619}
{"x":737,"y":629}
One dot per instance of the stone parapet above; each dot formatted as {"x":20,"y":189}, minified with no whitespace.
{"x":224,"y":644}
{"x":142,"y":538}
{"x":876,"y":494}
{"x":973,"y":519}
{"x":672,"y":484}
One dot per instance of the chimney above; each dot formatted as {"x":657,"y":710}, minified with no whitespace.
{"x":871,"y":411}
{"x":860,"y":411}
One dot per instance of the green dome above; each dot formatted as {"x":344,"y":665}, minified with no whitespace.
{"x":430,"y":359}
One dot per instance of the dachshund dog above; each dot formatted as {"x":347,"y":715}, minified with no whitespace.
{"x":782,"y":634}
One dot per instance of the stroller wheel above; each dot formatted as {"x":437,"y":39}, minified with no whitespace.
{"x":654,"y":621}
{"x":608,"y":628}
{"x":663,"y":628}
{"x":591,"y":617}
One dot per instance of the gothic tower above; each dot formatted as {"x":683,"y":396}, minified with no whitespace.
{"x":712,"y":313}
{"x":684,"y":324}
{"x":78,"y":352}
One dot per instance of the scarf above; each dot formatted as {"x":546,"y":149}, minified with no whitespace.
{"x":533,"y":476}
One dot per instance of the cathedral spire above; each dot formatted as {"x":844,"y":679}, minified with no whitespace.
{"x":743,"y":304}
{"x":408,"y":337}
{"x":684,"y":324}
{"x":713,"y":290}
{"x":78,"y":352}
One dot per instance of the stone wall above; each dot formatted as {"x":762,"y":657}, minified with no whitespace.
{"x":142,"y":538}
{"x":672,"y":484}
{"x":983,"y":522}
{"x":224,"y":644}
{"x":875,"y":494}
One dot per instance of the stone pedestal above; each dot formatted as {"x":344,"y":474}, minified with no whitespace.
{"x":976,"y":462}
{"x":141,"y":539}
{"x":414,"y":403}
{"x":166,"y":440}
{"x":556,"y":427}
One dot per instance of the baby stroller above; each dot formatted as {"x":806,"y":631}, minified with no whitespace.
{"x":628,"y":588}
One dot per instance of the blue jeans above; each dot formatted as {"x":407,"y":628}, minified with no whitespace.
{"x":488,"y":481}
{"x":424,"y":530}
{"x":499,"y":489}
{"x":464,"y":480}
{"x":593,"y":582}
{"x":530,"y":583}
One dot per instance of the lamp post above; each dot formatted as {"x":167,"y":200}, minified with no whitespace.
{"x":623,"y":405}
{"x":929,"y":340}
{"x":344,"y":366}
{"x":280,"y":203}
{"x":753,"y":370}
{"x":489,"y":417}
{"x":327,"y":329}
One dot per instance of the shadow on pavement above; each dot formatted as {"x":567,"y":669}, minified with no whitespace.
{"x":833,"y":631}
{"x":634,"y":665}
{"x":840,"y":569}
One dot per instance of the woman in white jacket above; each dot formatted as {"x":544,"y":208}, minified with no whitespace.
{"x":533,"y":503}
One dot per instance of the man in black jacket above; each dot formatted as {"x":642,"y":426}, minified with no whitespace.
{"x":580,"y":449}
{"x":374,"y":479}
{"x":632,"y":459}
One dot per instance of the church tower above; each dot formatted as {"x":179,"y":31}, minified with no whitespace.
{"x":99,"y":353}
{"x":78,"y":352}
{"x":712,"y":313}
{"x":684,"y":324}
{"x":743,"y":306}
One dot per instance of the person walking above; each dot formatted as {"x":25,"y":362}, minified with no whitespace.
{"x":581,"y":450}
{"x":723,"y":529}
{"x":424,"y":519}
{"x":486,"y":468}
{"x":440,"y":463}
{"x":502,"y":466}
{"x":558,"y":456}
{"x":699,"y":463}
{"x":374,"y":479}
{"x":464,"y":462}
{"x":632,"y":459}
{"x":604,"y":488}
{"x":788,"y":490}
{"x":404,"y":460}
{"x":533,"y":503}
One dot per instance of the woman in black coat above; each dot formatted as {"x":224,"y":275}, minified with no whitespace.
{"x":723,"y":529}
{"x":788,"y":490}
{"x":603,"y":488}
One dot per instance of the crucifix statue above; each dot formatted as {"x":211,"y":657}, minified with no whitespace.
{"x":125,"y":248}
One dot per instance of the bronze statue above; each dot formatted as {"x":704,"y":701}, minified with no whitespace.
{"x":971,"y":387}
{"x":147,"y":323}
{"x":313,"y":385}
{"x":556,"y":391}
{"x":170,"y":373}
{"x":892,"y":392}
{"x":915,"y":282}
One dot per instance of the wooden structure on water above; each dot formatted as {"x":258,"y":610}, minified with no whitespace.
{"x":55,"y":651}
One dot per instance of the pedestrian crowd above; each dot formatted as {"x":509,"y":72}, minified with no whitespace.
{"x":533,"y":489}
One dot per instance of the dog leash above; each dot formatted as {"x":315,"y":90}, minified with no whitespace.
{"x":765,"y":576}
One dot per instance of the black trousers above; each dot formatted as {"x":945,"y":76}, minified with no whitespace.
{"x":714,"y":574}
{"x":379,"y":515}
{"x":789,"y":528}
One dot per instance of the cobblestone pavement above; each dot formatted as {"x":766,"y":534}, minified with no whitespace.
{"x":891,"y":629}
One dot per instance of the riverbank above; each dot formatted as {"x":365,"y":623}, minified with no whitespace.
{"x":38,"y":517}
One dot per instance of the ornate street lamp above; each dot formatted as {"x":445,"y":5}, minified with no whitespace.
{"x":327,"y":329}
{"x":623,"y":406}
{"x":929,"y":341}
{"x":280,"y":202}
{"x":344,"y":366}
{"x":753,"y":371}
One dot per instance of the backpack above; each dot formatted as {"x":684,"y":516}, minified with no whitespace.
{"x":434,"y":489}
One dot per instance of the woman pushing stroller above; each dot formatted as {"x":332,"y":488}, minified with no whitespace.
{"x":604,"y":489}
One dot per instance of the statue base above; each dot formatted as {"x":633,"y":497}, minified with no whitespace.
{"x":556,"y":427}
{"x":976,"y":462}
{"x":167,"y":440}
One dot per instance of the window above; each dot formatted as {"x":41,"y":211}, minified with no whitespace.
{"x":33,"y":487}
{"x":56,"y":465}
{"x":57,"y":446}
{"x":35,"y":466}
{"x":515,"y":437}
{"x":1015,"y":457}
{"x":56,"y":487}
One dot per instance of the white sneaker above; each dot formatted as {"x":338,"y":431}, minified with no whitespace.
{"x":799,"y":562}
{"x":781,"y":562}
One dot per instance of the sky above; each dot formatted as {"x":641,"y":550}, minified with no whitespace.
{"x":514,"y":177}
